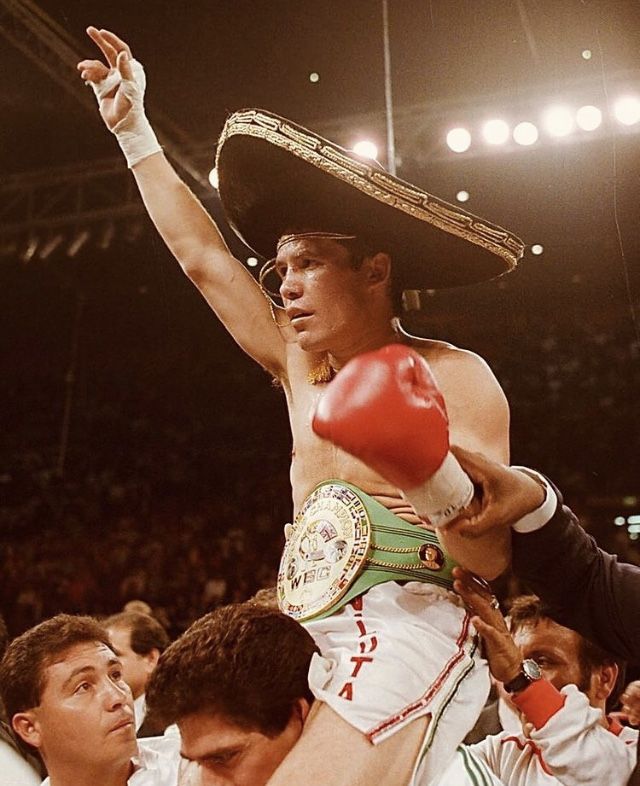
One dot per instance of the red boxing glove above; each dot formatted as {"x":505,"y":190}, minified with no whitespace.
{"x":385,"y":408}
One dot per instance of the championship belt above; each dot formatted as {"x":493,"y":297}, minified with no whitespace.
{"x":342,"y":543}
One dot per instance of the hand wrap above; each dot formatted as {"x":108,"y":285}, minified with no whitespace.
{"x":134,"y":133}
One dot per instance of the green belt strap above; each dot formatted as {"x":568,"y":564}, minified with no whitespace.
{"x":394,"y":553}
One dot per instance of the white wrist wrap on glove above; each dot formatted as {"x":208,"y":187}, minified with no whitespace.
{"x":444,"y":495}
{"x":134,"y":133}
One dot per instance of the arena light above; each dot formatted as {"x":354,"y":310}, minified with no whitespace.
{"x":525,"y":133}
{"x":462,"y":196}
{"x":558,"y":121}
{"x":78,"y":242}
{"x":537,"y":249}
{"x":495,"y":132}
{"x":50,"y":245}
{"x":213,"y":178}
{"x":627,"y":110}
{"x":589,"y":118}
{"x":619,"y":521}
{"x":586,"y":54}
{"x":366,"y":148}
{"x":106,"y":236}
{"x":314,"y":77}
{"x":33,"y":241}
{"x":459,"y":140}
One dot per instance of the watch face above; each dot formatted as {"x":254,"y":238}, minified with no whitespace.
{"x":531,"y":669}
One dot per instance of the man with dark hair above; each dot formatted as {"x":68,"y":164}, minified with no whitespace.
{"x":236,"y":686}
{"x":372,"y":475}
{"x":138,"y":640}
{"x":65,"y":696}
{"x":560,"y":683}
{"x":18,"y":767}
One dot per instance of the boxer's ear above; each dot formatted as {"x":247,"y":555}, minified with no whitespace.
{"x":378,"y":268}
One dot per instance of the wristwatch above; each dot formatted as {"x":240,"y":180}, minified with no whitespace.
{"x":529,"y":672}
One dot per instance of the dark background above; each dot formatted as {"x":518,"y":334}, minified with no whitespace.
{"x":141,"y":455}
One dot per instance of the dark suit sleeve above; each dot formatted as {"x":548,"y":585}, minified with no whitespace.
{"x":586,"y":588}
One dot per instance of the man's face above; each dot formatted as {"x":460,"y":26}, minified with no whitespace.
{"x":136,"y":669}
{"x":556,"y":650}
{"x":324,"y":295}
{"x":85,"y":715}
{"x":229,"y":755}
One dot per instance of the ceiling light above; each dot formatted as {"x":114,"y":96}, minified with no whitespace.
{"x":588,"y":118}
{"x":627,"y":110}
{"x":525,"y":133}
{"x":558,"y":121}
{"x":459,"y":140}
{"x":366,"y":149}
{"x":495,"y":132}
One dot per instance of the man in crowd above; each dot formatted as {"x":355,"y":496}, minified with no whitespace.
{"x":65,"y":696}
{"x":347,"y":239}
{"x":584,"y":587}
{"x":138,"y":640}
{"x":560,"y":682}
{"x":236,"y":686}
{"x":18,"y":767}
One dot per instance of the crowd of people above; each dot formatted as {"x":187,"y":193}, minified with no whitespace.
{"x":165,"y":485}
{"x":371,"y":654}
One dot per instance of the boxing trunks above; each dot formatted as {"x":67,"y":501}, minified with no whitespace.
{"x":396,"y":643}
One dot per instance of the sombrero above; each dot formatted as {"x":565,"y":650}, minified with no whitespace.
{"x":276,"y":177}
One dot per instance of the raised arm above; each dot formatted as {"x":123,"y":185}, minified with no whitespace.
{"x":181,"y":220}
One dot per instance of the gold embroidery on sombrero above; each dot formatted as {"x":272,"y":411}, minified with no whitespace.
{"x":375,"y":183}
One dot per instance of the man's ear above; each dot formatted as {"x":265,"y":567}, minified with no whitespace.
{"x":151,"y":659}
{"x":378,"y":268}
{"x":603,"y":680}
{"x":27,"y":728}
{"x":301,"y":708}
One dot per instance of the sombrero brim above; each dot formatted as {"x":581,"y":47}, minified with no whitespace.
{"x":276,"y":177}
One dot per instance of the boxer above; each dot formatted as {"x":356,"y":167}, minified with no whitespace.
{"x":399,"y":679}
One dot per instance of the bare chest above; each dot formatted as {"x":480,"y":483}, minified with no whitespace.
{"x":315,"y":460}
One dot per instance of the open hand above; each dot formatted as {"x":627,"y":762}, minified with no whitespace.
{"x":506,"y":495}
{"x":114,"y":105}
{"x":501,"y":652}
